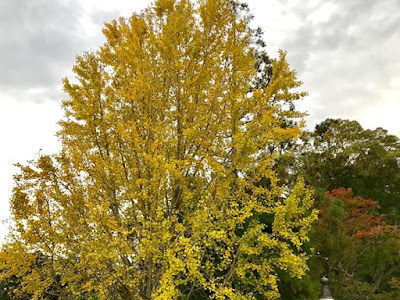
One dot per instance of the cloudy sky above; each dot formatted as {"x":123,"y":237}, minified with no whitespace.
{"x":345,"y":51}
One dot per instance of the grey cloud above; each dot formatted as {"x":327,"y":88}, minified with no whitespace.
{"x":334,"y":34}
{"x":36,"y":35}
{"x":300,"y":47}
{"x":349,"y":60}
{"x":100,"y":17}
{"x":39,"y":41}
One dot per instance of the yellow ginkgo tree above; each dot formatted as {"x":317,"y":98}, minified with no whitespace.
{"x":166,"y":184}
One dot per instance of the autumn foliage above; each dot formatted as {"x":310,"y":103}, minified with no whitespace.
{"x":360,"y":218}
{"x":166,"y":184}
{"x":358,"y":249}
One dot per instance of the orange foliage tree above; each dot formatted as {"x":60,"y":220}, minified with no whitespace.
{"x":361,"y":251}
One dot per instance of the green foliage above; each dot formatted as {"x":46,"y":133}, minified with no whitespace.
{"x":355,"y":242}
{"x":340,"y":153}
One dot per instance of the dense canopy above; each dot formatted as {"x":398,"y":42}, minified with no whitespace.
{"x":165,"y":186}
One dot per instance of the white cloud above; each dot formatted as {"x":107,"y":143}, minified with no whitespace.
{"x":122,"y":7}
{"x":323,"y":13}
{"x":395,"y":83}
{"x":26,"y":129}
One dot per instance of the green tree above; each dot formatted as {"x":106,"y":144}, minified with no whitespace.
{"x":340,"y":153}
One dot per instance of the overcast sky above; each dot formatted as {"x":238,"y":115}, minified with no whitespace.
{"x":345,"y":51}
